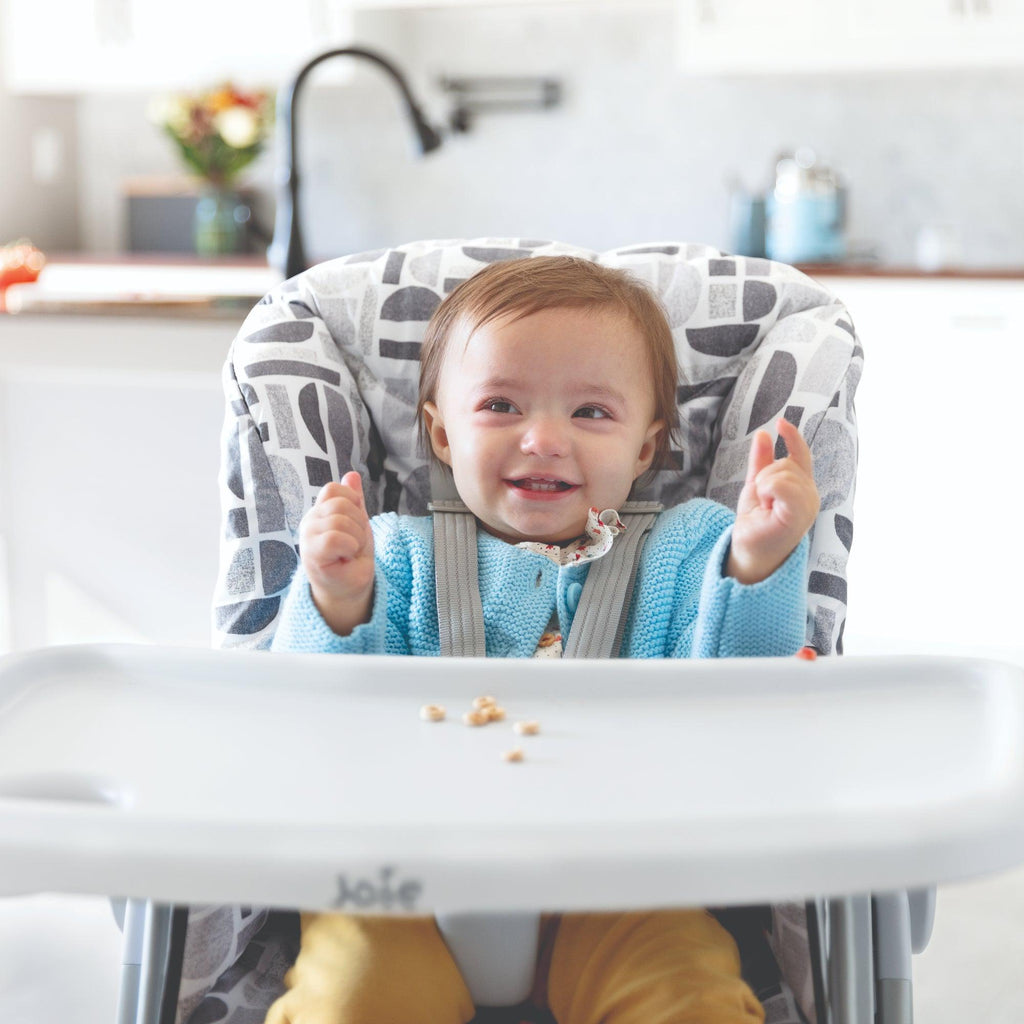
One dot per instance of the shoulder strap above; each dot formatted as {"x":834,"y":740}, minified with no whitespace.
{"x":600,"y":619}
{"x":460,"y":613}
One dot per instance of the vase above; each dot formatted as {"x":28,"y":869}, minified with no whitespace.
{"x":221,"y":218}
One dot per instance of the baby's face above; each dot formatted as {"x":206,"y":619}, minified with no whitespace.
{"x":542,"y":418}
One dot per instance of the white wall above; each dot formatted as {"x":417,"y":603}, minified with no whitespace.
{"x":38,"y":179}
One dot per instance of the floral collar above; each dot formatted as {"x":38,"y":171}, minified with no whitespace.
{"x":601,"y":530}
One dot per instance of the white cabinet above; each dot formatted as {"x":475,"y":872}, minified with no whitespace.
{"x":55,"y":46}
{"x":748,"y":36}
{"x":109,"y":451}
{"x":820,"y":36}
{"x":937,"y":564}
{"x":937,"y":33}
{"x":68,"y":46}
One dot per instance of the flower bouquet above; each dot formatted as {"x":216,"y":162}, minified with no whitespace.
{"x":218,"y":133}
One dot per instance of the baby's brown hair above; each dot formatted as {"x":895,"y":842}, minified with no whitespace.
{"x":526,"y":286}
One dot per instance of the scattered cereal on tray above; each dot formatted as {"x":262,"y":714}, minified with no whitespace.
{"x":530,"y":728}
{"x":432,"y":713}
{"x":515,"y":754}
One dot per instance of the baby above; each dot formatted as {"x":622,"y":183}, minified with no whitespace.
{"x":548,"y":389}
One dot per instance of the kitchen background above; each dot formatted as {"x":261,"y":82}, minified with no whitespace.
{"x":637,"y":149}
{"x":669,"y":109}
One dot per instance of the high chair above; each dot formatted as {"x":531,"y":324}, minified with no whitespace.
{"x":322,"y":378}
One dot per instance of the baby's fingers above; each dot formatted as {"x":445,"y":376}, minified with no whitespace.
{"x":797,"y":447}
{"x":760,"y":455}
{"x":790,"y":491}
{"x":338,"y":537}
{"x":337,"y":526}
{"x":342,"y":497}
{"x":349,"y":487}
{"x":354,"y":481}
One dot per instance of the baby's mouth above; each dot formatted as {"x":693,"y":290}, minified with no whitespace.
{"x":529,"y":483}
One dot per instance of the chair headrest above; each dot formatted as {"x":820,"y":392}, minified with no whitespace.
{"x":754,"y":339}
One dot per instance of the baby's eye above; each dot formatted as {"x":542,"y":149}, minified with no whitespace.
{"x":499,"y":405}
{"x":591,"y":412}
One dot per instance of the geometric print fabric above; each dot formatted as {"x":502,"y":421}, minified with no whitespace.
{"x":323,"y":374}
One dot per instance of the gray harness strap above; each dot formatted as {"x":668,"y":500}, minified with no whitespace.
{"x":460,"y":614}
{"x":600,"y":618}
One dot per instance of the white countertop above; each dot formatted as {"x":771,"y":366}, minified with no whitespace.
{"x":138,"y":288}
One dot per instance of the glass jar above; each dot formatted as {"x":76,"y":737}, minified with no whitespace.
{"x":221,"y":218}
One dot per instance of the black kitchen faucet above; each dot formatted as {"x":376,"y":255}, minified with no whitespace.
{"x":286,"y":252}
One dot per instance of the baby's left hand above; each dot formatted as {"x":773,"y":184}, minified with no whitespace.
{"x":777,"y":506}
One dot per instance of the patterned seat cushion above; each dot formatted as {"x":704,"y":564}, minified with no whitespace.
{"x":323,"y":377}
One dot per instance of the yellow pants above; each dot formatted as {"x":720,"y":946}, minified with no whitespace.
{"x":669,"y":967}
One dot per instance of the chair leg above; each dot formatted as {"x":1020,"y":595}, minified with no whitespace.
{"x":817,"y":920}
{"x":893,"y":958}
{"x":156,"y":944}
{"x":151,"y":963}
{"x":850,"y":960}
{"x":131,"y":916}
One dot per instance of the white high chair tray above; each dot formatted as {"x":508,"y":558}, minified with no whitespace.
{"x":311,"y":781}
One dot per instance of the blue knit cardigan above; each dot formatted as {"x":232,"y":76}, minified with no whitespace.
{"x":682,"y":605}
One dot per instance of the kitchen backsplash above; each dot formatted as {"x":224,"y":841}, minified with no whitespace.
{"x":635,"y":151}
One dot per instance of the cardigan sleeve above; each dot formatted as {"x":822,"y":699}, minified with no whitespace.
{"x":302,"y":628}
{"x":402,"y":571}
{"x":765,"y":619}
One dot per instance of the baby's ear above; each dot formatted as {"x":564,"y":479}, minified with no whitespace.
{"x":648,"y":448}
{"x":434,"y":423}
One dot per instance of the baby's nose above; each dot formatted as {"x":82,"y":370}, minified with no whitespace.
{"x":545,"y":435}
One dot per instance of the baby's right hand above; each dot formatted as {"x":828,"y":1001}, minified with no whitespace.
{"x":336,"y":547}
